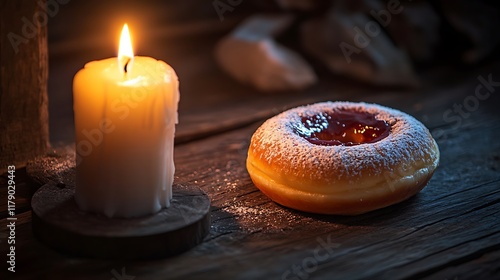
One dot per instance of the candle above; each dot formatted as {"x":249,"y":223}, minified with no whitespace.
{"x":125,"y":114}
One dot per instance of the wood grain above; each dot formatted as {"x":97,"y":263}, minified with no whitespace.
{"x":453,"y":223}
{"x":450,"y":230}
{"x":23,"y":82}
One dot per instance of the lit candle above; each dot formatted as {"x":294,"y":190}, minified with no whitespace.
{"x":125,"y":115}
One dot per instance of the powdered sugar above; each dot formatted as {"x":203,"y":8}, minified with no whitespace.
{"x":278,"y":140}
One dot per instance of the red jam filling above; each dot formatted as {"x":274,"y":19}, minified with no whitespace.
{"x":346,"y":128}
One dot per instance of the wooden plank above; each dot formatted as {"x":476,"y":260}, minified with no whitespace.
{"x":253,"y":237}
{"x":23,"y":82}
{"x":483,"y":267}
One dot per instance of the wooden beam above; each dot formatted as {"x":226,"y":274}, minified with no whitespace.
{"x":23,"y":81}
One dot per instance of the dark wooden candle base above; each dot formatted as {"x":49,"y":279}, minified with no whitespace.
{"x":58,"y":222}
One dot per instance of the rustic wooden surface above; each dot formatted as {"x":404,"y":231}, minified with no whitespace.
{"x":23,"y":83}
{"x":450,"y":230}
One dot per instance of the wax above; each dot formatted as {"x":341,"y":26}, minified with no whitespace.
{"x":125,"y":116}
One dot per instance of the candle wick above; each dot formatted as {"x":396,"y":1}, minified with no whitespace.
{"x":126,"y":64}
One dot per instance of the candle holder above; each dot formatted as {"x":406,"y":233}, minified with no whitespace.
{"x":59,"y":223}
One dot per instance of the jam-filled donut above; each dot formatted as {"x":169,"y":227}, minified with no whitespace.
{"x":341,"y":158}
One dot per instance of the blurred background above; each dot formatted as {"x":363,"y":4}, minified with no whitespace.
{"x":345,"y":46}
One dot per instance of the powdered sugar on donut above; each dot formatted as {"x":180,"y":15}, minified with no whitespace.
{"x":278,"y":143}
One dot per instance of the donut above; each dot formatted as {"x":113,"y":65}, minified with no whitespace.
{"x":341,"y":158}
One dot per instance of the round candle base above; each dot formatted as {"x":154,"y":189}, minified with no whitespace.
{"x":59,"y":223}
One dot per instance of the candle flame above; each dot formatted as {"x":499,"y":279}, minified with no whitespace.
{"x":125,"y":52}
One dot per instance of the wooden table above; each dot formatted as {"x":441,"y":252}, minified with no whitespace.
{"x":450,"y":230}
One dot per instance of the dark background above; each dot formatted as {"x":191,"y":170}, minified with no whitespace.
{"x":184,"y":34}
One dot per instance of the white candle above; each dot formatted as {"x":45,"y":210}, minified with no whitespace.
{"x":125,"y":115}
